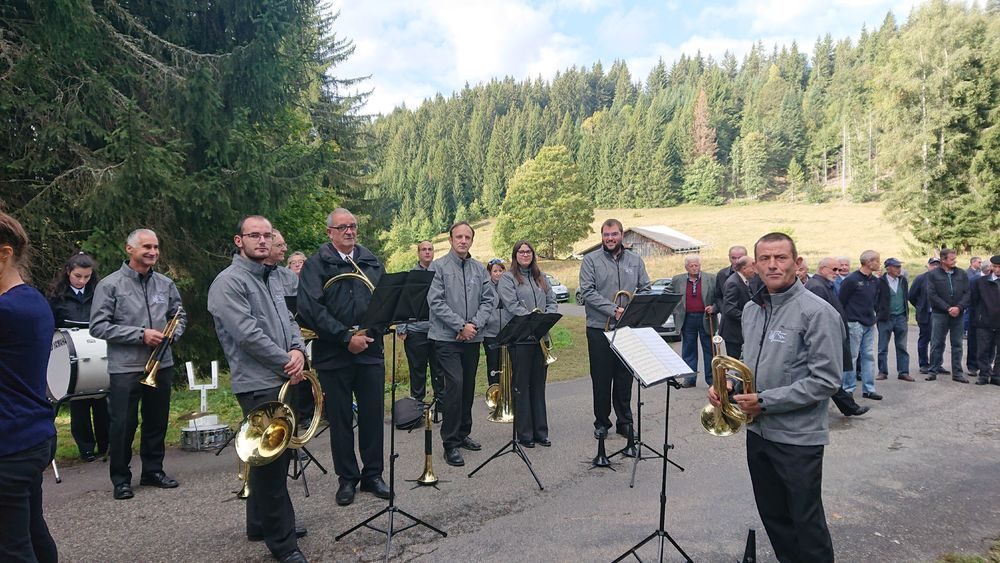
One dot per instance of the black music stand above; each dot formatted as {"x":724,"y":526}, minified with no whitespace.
{"x":644,"y":310}
{"x":523,"y":330}
{"x":398,"y":298}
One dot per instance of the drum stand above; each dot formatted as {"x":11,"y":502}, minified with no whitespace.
{"x":301,"y":460}
{"x":660,"y":533}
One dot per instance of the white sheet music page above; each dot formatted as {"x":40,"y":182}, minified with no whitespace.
{"x":650,"y":358}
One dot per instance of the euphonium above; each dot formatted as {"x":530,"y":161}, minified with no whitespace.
{"x":727,"y":418}
{"x":153,"y":363}
{"x":546,"y":345}
{"x":268,"y":430}
{"x":358,"y":275}
{"x":610,"y":324}
{"x":498,"y":396}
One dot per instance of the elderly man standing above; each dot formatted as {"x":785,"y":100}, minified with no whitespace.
{"x":858,"y":293}
{"x":735,"y":253}
{"x":734,"y":297}
{"x":693,"y":314}
{"x":986,"y":317}
{"x":948,"y":295}
{"x":891,"y":314}
{"x":843,"y":270}
{"x":918,"y":298}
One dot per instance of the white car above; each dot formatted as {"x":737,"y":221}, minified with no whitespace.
{"x":562,"y":293}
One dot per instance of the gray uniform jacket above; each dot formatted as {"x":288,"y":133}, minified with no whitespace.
{"x":461,"y":292}
{"x":492,"y":329}
{"x":601,"y":276}
{"x":255,"y":329}
{"x":792,"y":343}
{"x":125,"y":304}
{"x":521,"y":299}
{"x":288,"y":280}
{"x":419,"y":326}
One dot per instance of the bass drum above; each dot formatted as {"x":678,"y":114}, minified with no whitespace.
{"x":78,"y":364}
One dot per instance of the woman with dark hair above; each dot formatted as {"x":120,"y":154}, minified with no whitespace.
{"x":70,"y":295}
{"x":522,"y":290}
{"x":26,"y":417}
{"x":496,"y":268}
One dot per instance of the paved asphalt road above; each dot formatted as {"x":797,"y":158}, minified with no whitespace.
{"x":912,"y":479}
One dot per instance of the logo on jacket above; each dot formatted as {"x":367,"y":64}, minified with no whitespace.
{"x":159,"y":298}
{"x":777,"y":335}
{"x":628,"y":270}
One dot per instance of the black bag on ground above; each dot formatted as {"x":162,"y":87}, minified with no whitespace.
{"x":408,"y":413}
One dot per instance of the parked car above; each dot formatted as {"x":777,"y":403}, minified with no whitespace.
{"x":668,"y":331}
{"x":659,"y":286}
{"x":562,"y":293}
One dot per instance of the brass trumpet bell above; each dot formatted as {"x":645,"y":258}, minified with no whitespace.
{"x":265,"y":433}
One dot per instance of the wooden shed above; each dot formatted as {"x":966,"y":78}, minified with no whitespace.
{"x":656,"y":240}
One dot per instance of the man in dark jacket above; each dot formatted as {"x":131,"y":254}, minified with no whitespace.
{"x":857,"y":294}
{"x":822,"y":285}
{"x":347,"y":357}
{"x":735,"y":296}
{"x":264,"y":348}
{"x":986,"y":318}
{"x":735,"y":253}
{"x":948,"y":295}
{"x":891,"y":314}
{"x":918,"y":298}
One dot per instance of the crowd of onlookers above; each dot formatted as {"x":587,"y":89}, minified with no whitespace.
{"x":953,"y":308}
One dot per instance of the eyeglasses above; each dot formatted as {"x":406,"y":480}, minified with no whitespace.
{"x":342,"y":228}
{"x":525,"y":252}
{"x":258,"y":236}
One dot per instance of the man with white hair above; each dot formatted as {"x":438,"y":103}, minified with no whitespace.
{"x":693,"y":315}
{"x":131,"y":307}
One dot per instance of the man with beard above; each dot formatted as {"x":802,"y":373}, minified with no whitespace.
{"x":130,"y":309}
{"x":348,"y":359}
{"x":603,"y":274}
{"x":793,"y":341}
{"x":461,"y":299}
{"x":264,"y":348}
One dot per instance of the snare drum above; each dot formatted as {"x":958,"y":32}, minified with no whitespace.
{"x":78,"y":364}
{"x":204,"y":438}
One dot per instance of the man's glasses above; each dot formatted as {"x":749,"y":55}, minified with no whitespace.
{"x":342,"y":228}
{"x":258,"y":236}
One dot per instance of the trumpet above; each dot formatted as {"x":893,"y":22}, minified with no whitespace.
{"x":610,"y":324}
{"x":153,"y":363}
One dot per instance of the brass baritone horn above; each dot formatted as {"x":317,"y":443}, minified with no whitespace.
{"x":610,"y":324}
{"x":727,"y":418}
{"x":153,"y":363}
{"x":498,"y":396}
{"x":546,"y":345}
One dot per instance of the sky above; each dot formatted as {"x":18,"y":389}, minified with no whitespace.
{"x":413,"y":49}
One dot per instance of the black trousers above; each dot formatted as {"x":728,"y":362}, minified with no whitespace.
{"x":923,"y":343}
{"x":126,"y":392}
{"x":944,"y":325}
{"x":988,"y":348}
{"x":341,"y":385}
{"x":734,"y":349}
{"x":24,"y":536}
{"x":492,"y":352}
{"x":788,"y":487}
{"x":611,"y":380}
{"x":457,"y":363}
{"x":90,"y":435}
{"x":418,"y":350}
{"x":270,"y":514}
{"x":529,"y":373}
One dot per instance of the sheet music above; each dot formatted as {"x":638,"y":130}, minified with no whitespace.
{"x":650,"y":358}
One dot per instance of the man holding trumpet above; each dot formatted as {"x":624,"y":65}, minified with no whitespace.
{"x":130,"y":310}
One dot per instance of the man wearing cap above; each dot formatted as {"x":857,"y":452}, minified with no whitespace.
{"x":948,"y":295}
{"x":985,"y":312}
{"x":891,"y":311}
{"x":917,"y":297}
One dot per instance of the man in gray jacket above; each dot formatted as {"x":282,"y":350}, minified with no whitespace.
{"x":793,"y":345}
{"x":264,"y":348}
{"x":603,"y":275}
{"x":460,"y":300}
{"x":130,"y":309}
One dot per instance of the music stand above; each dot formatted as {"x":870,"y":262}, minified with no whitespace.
{"x":644,"y":310}
{"x":653,"y":362}
{"x":523,"y":330}
{"x":398,"y":298}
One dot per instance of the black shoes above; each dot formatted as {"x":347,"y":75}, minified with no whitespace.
{"x":982,"y":380}
{"x":624,"y":430}
{"x":454,"y":457}
{"x":600,"y":433}
{"x":858,"y":410}
{"x":873,"y":396}
{"x":345,"y":493}
{"x":158,"y":479}
{"x":375,"y":486}
{"x":300,"y":532}
{"x":525,"y":444}
{"x":123,"y":491}
{"x":293,"y":557}
{"x":88,"y":456}
{"x":959,"y":378}
{"x":931,"y":377}
{"x":924,"y":370}
{"x":688,"y":384}
{"x":944,"y":371}
{"x":471,"y":445}
{"x":544,"y":442}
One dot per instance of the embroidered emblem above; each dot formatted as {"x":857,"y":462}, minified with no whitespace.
{"x":777,"y":335}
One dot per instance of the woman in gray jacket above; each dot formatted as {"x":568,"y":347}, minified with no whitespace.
{"x":496,"y":269}
{"x":522,"y":290}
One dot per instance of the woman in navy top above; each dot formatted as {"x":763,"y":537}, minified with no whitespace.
{"x":70,"y":296}
{"x":26,"y":417}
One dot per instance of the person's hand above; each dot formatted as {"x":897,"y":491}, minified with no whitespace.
{"x":359,"y":343}
{"x":618,"y":313}
{"x":401,"y":335}
{"x":296,"y":361}
{"x":709,"y":310}
{"x":954,"y":311}
{"x":151,"y":337}
{"x":468,"y":332}
{"x":713,"y":397}
{"x":748,"y":403}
